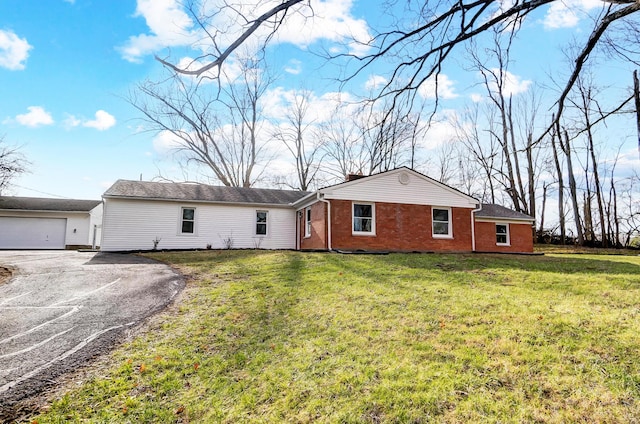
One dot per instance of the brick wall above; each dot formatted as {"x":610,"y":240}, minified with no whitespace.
{"x":520,"y":236}
{"x":318,"y":238}
{"x":399,"y":227}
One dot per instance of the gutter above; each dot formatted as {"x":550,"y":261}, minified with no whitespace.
{"x":323,"y":200}
{"x":473,"y":226}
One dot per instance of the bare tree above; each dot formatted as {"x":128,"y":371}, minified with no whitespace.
{"x":215,"y":127}
{"x":389,"y":135}
{"x":423,"y":39}
{"x":12,"y":164}
{"x":301,"y":140}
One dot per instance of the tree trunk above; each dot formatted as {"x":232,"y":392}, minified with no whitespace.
{"x":572,"y":189}
{"x":561,"y":218}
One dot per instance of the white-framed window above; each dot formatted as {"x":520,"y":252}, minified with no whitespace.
{"x":364,"y":218}
{"x":502,"y":234}
{"x":441,"y":222}
{"x":307,"y":222}
{"x":188,"y":221}
{"x":261,"y":223}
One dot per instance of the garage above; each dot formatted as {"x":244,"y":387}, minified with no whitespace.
{"x":32,"y":233}
{"x":44,"y":223}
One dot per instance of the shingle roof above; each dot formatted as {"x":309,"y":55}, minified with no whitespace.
{"x":46,"y":204}
{"x":490,"y":210}
{"x":201,"y":193}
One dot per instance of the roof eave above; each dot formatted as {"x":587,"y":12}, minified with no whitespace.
{"x":213,"y":202}
{"x":505,"y":218}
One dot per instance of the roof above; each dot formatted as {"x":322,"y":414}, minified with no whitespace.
{"x":364,"y":178}
{"x":46,"y":204}
{"x":201,"y":193}
{"x":490,"y":210}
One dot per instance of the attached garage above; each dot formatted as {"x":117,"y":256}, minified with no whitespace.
{"x":40,"y":223}
{"x":32,"y":233}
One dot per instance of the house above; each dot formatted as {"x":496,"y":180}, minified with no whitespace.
{"x":397,"y":210}
{"x":41,"y":223}
{"x":142,"y":215}
{"x":403,"y":210}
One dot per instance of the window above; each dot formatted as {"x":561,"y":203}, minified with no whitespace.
{"x":307,"y":222}
{"x":441,"y":222}
{"x":502,"y":234}
{"x":261,"y":223}
{"x":188,"y":220}
{"x":363,"y":218}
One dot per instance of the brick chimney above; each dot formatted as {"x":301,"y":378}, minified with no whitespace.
{"x":351,"y":177}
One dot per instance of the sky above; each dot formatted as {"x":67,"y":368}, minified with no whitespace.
{"x":67,"y":68}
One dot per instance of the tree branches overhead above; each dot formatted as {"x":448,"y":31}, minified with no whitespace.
{"x":418,"y":44}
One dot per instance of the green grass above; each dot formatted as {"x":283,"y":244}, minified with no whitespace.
{"x":301,"y":337}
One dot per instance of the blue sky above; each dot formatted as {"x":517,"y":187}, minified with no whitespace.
{"x":67,"y":66}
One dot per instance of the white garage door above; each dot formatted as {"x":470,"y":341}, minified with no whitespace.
{"x":32,"y":233}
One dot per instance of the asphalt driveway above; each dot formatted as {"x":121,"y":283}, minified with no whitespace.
{"x":63,"y":307}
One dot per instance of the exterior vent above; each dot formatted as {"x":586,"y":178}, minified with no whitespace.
{"x":404,"y":178}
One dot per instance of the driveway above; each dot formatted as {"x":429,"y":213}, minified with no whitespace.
{"x":63,"y":308}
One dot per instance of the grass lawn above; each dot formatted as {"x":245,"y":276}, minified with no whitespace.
{"x":311,"y":337}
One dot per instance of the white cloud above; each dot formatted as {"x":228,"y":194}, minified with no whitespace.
{"x":441,"y":130}
{"x":71,"y":122}
{"x":567,"y":13}
{"x":511,"y":84}
{"x":35,"y":117}
{"x":330,"y":20}
{"x":294,"y":67}
{"x":103,"y":121}
{"x":169,"y":26}
{"x":165,"y":142}
{"x":444,"y":85}
{"x":14,"y":51}
{"x":476,"y":98}
{"x":276,"y":102}
{"x":374,"y":82}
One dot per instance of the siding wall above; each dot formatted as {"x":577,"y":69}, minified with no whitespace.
{"x":387,"y":188}
{"x":75,"y":221}
{"x":134,"y":224}
{"x":318,"y":238}
{"x":520,"y":235}
{"x":399,"y":227}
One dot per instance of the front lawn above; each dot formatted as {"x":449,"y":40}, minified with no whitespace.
{"x":301,"y":337}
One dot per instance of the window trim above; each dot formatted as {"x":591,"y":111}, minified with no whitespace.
{"x":182,"y":221}
{"x":373,"y":219}
{"x":265,"y":223}
{"x":449,"y":234}
{"x":307,"y":222}
{"x":507,"y":234}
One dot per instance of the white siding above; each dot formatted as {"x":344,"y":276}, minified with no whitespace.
{"x":77,"y":221}
{"x":387,"y":188}
{"x":95,"y":221}
{"x":134,"y":224}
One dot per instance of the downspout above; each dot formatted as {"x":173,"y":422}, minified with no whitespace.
{"x":321,"y":199}
{"x":473,"y":227}
{"x":298,"y":214}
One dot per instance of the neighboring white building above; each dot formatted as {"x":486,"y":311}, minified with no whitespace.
{"x":39,"y":223}
{"x":141,"y":215}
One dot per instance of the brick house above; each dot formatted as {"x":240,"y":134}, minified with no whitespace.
{"x":403,"y":210}
{"x":399,"y":210}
